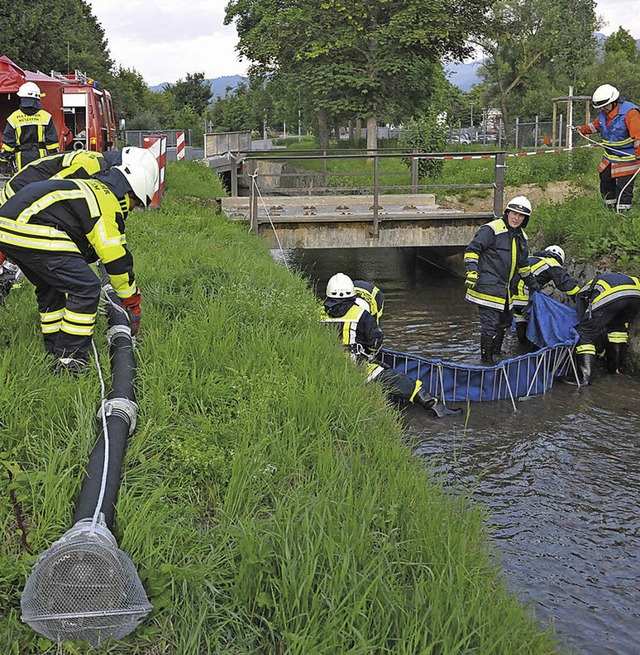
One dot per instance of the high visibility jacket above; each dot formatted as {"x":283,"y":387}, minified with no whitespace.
{"x":359,"y":332}
{"x":29,"y":136}
{"x":620,"y":130}
{"x":545,"y":270}
{"x":498,"y":253}
{"x":372,"y":298}
{"x":78,"y":164}
{"x":82,"y":217}
{"x":606,"y":289}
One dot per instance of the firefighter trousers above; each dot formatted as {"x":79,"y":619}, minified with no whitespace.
{"x":68,"y":294}
{"x":616,"y":190}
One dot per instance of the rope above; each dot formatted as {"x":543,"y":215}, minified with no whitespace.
{"x":273,"y":227}
{"x":105,"y":432}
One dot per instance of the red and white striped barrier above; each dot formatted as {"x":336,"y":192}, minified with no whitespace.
{"x":514,"y":154}
{"x":180,"y":151}
{"x":157,"y":145}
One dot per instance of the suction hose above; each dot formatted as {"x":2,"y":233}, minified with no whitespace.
{"x":84,"y":587}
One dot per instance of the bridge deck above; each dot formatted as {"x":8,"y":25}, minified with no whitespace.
{"x":410,"y":220}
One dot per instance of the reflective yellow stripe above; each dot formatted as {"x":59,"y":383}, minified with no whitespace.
{"x":415,"y":391}
{"x":586,"y":349}
{"x":79,"y":318}
{"x":618,"y":337}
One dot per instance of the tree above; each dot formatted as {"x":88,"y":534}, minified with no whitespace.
{"x":192,"y":92}
{"x":621,"y":42}
{"x":60,"y":35}
{"x":534,"y":46}
{"x":361,"y":58}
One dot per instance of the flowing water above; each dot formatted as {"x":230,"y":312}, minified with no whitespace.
{"x":560,"y":477}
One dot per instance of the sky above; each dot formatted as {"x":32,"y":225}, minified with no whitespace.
{"x":166,"y":39}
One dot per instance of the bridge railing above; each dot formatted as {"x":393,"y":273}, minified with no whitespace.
{"x":305,"y":173}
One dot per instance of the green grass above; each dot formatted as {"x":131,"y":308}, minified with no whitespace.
{"x":267,"y":500}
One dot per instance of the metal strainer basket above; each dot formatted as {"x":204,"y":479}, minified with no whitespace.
{"x":84,"y":588}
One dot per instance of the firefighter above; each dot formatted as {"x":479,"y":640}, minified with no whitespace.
{"x":606,"y":305}
{"x":370,"y":297}
{"x":78,"y":164}
{"x":619,"y":125}
{"x":29,"y":133}
{"x":54,"y":229}
{"x":496,"y":254}
{"x":546,"y":266}
{"x":362,"y":337}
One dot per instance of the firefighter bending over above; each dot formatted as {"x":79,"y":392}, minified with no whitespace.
{"x":54,"y":229}
{"x":362,"y":338}
{"x":29,"y":133}
{"x":605,"y":305}
{"x":546,"y":266}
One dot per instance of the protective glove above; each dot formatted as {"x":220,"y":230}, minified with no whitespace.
{"x":532,"y":283}
{"x":132,"y":305}
{"x":471,"y":280}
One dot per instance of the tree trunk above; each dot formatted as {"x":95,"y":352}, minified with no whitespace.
{"x":352,"y":130}
{"x":323,"y":128}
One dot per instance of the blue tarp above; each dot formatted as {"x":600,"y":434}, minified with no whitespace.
{"x":550,"y":323}
{"x":551,"y":327}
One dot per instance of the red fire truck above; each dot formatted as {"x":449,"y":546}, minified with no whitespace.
{"x":82,"y":111}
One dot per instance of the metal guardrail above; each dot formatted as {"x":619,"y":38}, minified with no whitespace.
{"x":253,"y":175}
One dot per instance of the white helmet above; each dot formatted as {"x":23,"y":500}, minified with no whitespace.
{"x":557,"y":252}
{"x":520,"y":204}
{"x":142,"y":178}
{"x":142,"y":156}
{"x":29,"y":90}
{"x":340,"y":286}
{"x":604,"y":95}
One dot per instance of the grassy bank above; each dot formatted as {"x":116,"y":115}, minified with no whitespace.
{"x":267,"y":501}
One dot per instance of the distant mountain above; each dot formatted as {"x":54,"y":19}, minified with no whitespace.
{"x":218,"y":85}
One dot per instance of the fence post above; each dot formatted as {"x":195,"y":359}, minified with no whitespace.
{"x":536,"y":137}
{"x":414,"y":172}
{"x":498,"y":185}
{"x":376,"y":181}
{"x":253,"y":197}
{"x":517,"y":131}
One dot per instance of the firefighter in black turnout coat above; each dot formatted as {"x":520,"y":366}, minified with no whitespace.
{"x":360,"y":334}
{"x":54,"y":229}
{"x":606,"y":305}
{"x":494,"y":258}
{"x":546,"y":266}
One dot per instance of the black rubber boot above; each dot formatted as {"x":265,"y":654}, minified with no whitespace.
{"x":584,"y":364}
{"x":615,"y":356}
{"x":497,"y":343}
{"x":440,"y":410}
{"x":521,"y":333}
{"x":486,"y":349}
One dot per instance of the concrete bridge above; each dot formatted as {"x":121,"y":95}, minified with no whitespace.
{"x":350,"y":221}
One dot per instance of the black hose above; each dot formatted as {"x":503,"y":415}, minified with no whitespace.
{"x":118,"y":419}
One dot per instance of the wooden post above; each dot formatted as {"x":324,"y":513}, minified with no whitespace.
{"x":553,"y":127}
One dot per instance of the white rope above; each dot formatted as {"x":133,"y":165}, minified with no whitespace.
{"x":105,"y":431}
{"x":273,"y":227}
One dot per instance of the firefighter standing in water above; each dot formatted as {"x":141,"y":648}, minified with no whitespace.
{"x":29,"y":133}
{"x":546,"y":266}
{"x":362,"y":337}
{"x":494,"y":257}
{"x":619,"y":125}
{"x":54,"y":229}
{"x":605,"y":307}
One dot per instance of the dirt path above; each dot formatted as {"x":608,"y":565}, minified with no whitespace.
{"x":553,"y":192}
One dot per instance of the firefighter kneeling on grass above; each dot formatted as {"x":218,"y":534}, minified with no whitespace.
{"x":54,"y":229}
{"x":363,"y":338}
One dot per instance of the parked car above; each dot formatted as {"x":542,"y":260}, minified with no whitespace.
{"x":458,"y":138}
